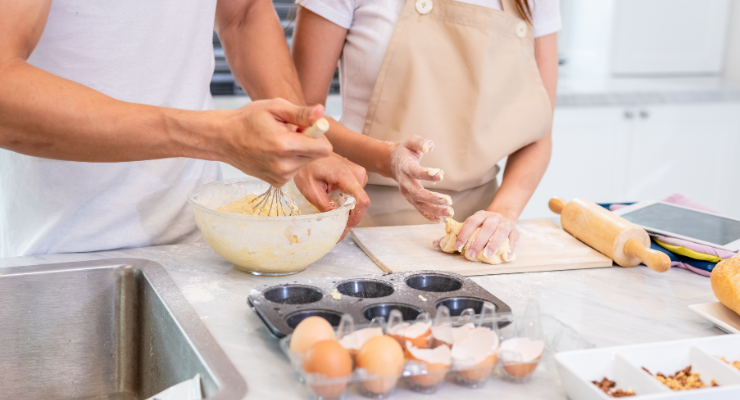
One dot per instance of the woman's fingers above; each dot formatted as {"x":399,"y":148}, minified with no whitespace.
{"x":434,"y":207}
{"x":418,"y":194}
{"x":416,"y":171}
{"x":513,"y":241}
{"x":494,"y":230}
{"x":482,"y":239}
{"x":498,"y":238}
{"x":471,"y":224}
{"x":418,"y":143}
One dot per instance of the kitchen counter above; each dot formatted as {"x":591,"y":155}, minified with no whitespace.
{"x":608,"y":306}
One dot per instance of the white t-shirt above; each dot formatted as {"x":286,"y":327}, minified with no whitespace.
{"x":152,"y":52}
{"x":370,"y":25}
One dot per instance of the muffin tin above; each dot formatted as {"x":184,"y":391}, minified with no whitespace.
{"x":282,"y":307}
{"x":624,"y":365}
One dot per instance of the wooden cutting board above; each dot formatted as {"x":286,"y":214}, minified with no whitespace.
{"x":543,"y":246}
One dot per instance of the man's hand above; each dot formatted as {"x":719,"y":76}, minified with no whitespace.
{"x":262,"y":141}
{"x":335,"y":172}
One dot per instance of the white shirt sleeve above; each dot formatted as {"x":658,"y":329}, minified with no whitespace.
{"x":340,"y":12}
{"x":546,"y":17}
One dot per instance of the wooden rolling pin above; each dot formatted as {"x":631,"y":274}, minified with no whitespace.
{"x":622,"y":241}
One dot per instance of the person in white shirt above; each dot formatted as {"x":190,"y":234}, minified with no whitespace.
{"x":107,"y":122}
{"x":475,"y":78}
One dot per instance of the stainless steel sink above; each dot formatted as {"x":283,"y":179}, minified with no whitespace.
{"x":112,"y":329}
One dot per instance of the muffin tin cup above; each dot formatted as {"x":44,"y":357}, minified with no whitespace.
{"x":624,"y":365}
{"x":282,"y":307}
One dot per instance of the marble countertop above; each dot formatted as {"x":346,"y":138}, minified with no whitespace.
{"x":586,"y":88}
{"x":608,"y":306}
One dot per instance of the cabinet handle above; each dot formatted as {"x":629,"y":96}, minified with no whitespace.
{"x":644,"y":114}
{"x":629,"y":114}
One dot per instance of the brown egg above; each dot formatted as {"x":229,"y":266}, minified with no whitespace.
{"x":331,"y":360}
{"x":309,"y":331}
{"x":381,"y":356}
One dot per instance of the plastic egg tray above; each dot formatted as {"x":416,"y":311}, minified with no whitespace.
{"x":282,"y":307}
{"x":417,"y":378}
{"x":627,"y":365}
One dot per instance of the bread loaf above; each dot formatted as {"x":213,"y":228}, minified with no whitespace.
{"x":725,"y":280}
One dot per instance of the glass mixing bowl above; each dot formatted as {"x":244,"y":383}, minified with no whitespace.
{"x":267,"y":245}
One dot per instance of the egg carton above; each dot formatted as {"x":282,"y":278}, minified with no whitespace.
{"x":417,"y":376}
{"x":282,"y":307}
{"x":633,"y":368}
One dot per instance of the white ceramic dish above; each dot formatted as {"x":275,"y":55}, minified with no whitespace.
{"x":267,"y":245}
{"x":719,"y":315}
{"x":624,"y":365}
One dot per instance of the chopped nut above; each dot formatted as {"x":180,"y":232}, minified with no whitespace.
{"x":735,"y":364}
{"x":682,"y":380}
{"x":606,"y":386}
{"x":335,"y":295}
{"x":422,"y":298}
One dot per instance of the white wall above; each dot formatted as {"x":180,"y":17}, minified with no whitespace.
{"x":732,"y":57}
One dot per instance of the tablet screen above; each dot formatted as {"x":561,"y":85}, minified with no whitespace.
{"x":706,"y":227}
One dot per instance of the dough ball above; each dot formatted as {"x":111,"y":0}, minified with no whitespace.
{"x":447,"y":243}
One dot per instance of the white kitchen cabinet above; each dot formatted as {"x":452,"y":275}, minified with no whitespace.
{"x":590,"y":146}
{"x":615,"y":154}
{"x":687,"y":149}
{"x":646,"y":37}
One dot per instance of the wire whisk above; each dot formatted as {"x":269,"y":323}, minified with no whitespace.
{"x":275,"y":199}
{"x":278,"y":199}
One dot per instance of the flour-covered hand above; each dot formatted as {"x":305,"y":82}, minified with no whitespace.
{"x":408,"y":172}
{"x":495,"y":228}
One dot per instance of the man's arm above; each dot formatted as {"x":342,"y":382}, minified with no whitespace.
{"x":44,"y":115}
{"x":258,"y":56}
{"x":256,"y":49}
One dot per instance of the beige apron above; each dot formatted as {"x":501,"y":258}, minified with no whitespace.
{"x":466,"y":77}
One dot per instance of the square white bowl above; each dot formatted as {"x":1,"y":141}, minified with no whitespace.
{"x":623,"y":365}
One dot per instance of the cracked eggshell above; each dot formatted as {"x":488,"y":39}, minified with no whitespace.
{"x":448,"y":335}
{"x":475,"y":356}
{"x":354,"y":341}
{"x":383,"y":357}
{"x":418,"y":333}
{"x":530,"y":351}
{"x":437,"y":360}
{"x":310,"y":331}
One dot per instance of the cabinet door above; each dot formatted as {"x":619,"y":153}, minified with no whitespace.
{"x":588,"y":158}
{"x":669,"y":36}
{"x":688,"y":149}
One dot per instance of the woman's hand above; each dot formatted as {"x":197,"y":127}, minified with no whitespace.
{"x":494,"y":229}
{"x":407,"y":171}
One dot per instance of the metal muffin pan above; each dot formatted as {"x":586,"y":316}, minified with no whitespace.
{"x":282,"y":307}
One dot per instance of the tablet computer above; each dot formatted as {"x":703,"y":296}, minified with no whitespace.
{"x":684,"y":223}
